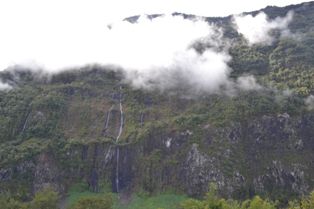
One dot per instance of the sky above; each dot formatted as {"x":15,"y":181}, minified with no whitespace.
{"x":29,"y":27}
{"x":111,"y":10}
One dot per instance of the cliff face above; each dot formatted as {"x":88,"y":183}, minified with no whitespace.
{"x":87,"y":125}
{"x":164,"y":144}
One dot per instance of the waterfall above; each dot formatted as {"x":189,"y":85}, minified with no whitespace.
{"x":142,"y":119}
{"x":108,"y":155}
{"x":117,"y":170}
{"x":108,"y":118}
{"x":121,"y":116}
{"x":105,"y":130}
{"x":117,"y":139}
{"x":25,"y":123}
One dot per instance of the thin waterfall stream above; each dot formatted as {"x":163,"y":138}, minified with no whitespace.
{"x":117,"y":140}
{"x":105,"y":130}
{"x":25,"y":123}
{"x":108,"y":118}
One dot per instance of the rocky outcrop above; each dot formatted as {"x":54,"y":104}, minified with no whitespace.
{"x":270,"y":155}
{"x":47,"y":174}
{"x":199,"y":170}
{"x":280,"y":179}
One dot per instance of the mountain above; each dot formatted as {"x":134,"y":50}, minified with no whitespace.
{"x":88,"y":126}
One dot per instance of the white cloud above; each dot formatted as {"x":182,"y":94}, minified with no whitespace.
{"x":58,"y":33}
{"x":248,"y":83}
{"x":158,"y":53}
{"x":309,"y":102}
{"x":154,"y":53}
{"x":4,"y":86}
{"x":152,"y":43}
{"x":258,"y":29}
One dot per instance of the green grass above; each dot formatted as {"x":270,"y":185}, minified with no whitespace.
{"x":80,"y":190}
{"x":137,"y":201}
{"x":164,"y":201}
{"x":75,"y":196}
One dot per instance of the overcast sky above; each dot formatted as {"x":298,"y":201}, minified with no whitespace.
{"x":37,"y":30}
{"x":109,"y":10}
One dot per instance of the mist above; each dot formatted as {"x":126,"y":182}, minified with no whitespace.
{"x":309,"y":102}
{"x":153,"y":53}
{"x":4,"y":86}
{"x":257,"y":29}
{"x":159,"y":53}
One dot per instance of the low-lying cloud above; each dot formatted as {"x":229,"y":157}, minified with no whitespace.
{"x":248,"y":83}
{"x":154,"y":53}
{"x":258,"y":29}
{"x":160,"y":53}
{"x":5,"y":86}
{"x":309,"y":102}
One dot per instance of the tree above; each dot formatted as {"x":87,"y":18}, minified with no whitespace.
{"x":193,"y":204}
{"x":308,"y":203}
{"x":212,"y":201}
{"x":305,"y":203}
{"x":258,"y":203}
{"x":9,"y":203}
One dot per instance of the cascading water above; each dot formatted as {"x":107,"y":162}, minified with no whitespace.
{"x":117,"y":139}
{"x":105,"y":130}
{"x":142,"y":119}
{"x":108,"y":118}
{"x":25,"y":123}
{"x":117,"y":169}
{"x":106,"y":126}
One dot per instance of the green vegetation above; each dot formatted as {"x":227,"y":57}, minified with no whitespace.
{"x":48,"y":199}
{"x":211,"y":201}
{"x":56,"y":128}
{"x":80,"y":190}
{"x":92,"y":202}
{"x":166,"y":201}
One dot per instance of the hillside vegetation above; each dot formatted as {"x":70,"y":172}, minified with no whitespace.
{"x":256,"y":146}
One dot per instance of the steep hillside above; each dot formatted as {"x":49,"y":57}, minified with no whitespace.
{"x":89,"y":125}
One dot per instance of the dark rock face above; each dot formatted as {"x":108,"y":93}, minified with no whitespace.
{"x":22,"y":169}
{"x":282,"y":179}
{"x":266,"y":156}
{"x":47,"y":174}
{"x":199,"y":170}
{"x":270,"y":155}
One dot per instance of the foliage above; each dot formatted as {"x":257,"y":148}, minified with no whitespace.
{"x":7,"y":202}
{"x":15,"y":153}
{"x":93,"y":202}
{"x":68,"y":112}
{"x":304,"y":203}
{"x":258,"y":203}
{"x":46,"y":199}
{"x":247,"y":59}
{"x":212,"y":201}
{"x":160,"y":201}
{"x":80,"y":190}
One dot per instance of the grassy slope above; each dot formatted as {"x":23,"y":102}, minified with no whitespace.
{"x":136,"y":201}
